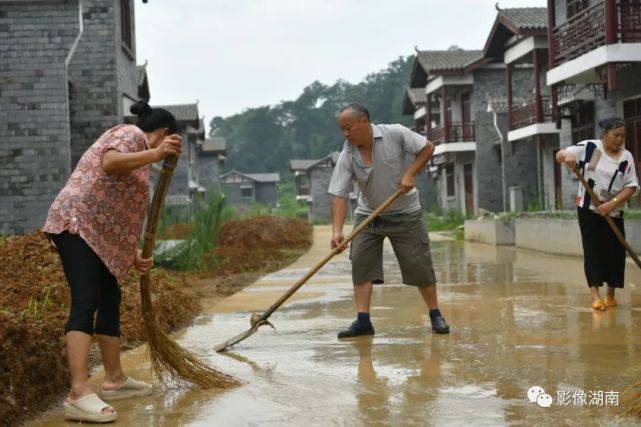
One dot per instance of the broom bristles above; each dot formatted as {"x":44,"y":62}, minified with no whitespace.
{"x":168,"y":359}
{"x":631,"y":400}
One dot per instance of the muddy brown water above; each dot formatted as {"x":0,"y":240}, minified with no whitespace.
{"x":519,"y":319}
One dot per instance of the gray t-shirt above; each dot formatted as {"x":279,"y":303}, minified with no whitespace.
{"x":391,"y":145}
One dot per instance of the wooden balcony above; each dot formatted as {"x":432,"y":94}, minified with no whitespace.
{"x":453,"y":132}
{"x":605,"y":22}
{"x":525,"y":113}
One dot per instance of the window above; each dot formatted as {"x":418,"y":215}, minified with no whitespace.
{"x":449,"y":179}
{"x":574,"y":7}
{"x":582,"y":121}
{"x":246,"y":191}
{"x":125,"y":23}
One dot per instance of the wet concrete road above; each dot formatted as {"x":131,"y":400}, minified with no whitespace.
{"x":519,"y":319}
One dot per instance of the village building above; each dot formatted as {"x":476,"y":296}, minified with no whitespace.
{"x":68,"y":73}
{"x":454,"y":95}
{"x":594,"y":69}
{"x":529,"y":138}
{"x":312,"y":179}
{"x":243,"y":190}
{"x":211,"y":159}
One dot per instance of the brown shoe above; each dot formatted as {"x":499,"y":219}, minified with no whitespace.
{"x":598,"y":305}
{"x":610,"y":302}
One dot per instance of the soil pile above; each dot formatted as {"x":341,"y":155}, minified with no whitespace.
{"x":255,"y":244}
{"x":34,"y":302}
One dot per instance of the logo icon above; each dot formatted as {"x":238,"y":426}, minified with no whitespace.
{"x":537,"y":395}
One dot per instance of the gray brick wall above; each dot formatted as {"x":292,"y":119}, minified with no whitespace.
{"x":95,"y":103}
{"x":34,"y":116}
{"x":180,"y":181}
{"x":488,"y":162}
{"x":208,"y":170}
{"x":233,"y":195}
{"x":550,"y":144}
{"x":320,"y":208}
{"x":267,"y":193}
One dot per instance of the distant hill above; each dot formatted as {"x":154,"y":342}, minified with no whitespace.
{"x":263,"y":139}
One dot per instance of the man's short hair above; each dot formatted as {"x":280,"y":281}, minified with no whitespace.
{"x":358,"y":108}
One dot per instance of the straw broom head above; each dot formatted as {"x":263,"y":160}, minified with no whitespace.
{"x":168,"y":359}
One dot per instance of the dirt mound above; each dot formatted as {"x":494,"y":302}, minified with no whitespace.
{"x":176,"y":231}
{"x":255,"y":244}
{"x":34,"y":301}
{"x":266,"y":231}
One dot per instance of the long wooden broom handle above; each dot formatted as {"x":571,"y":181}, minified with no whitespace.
{"x":157,"y":202}
{"x":334,"y":252}
{"x":611,"y":223}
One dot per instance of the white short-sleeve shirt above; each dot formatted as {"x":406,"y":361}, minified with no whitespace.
{"x":390,"y":147}
{"x":606,"y":176}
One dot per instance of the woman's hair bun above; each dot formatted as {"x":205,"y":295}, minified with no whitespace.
{"x":611,"y":123}
{"x":140,"y":108}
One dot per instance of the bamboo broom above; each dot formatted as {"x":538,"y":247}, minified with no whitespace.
{"x":168,"y":359}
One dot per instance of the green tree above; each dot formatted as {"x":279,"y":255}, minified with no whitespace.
{"x":264,"y":139}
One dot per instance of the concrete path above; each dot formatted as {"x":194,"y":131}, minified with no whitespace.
{"x":519,"y":319}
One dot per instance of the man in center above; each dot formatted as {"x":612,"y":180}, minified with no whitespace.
{"x":374,"y":155}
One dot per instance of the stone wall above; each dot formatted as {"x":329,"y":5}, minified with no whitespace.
{"x":35,"y":40}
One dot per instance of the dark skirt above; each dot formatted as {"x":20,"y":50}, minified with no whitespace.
{"x":603,"y":254}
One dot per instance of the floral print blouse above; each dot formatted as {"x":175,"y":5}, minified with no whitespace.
{"x":106,"y":210}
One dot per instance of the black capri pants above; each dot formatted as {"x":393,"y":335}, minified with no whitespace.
{"x":94,"y":290}
{"x":603,"y":254}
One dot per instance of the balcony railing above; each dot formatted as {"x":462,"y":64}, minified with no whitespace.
{"x":595,"y":27}
{"x":453,"y":132}
{"x":583,"y":132}
{"x":524,"y":114}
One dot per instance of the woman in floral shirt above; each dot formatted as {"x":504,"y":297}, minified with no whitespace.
{"x":96,"y":222}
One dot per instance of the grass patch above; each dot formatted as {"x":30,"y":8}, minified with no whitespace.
{"x":450,"y":221}
{"x":287,"y":205}
{"x":202,"y":236}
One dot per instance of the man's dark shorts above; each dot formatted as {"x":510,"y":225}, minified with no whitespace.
{"x":411,"y":244}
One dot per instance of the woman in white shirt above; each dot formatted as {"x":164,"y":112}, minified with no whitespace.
{"x":609,"y":169}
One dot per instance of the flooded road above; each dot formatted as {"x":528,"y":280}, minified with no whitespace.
{"x":519,"y":319}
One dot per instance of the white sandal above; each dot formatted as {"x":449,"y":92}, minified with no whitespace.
{"x":89,"y":408}
{"x":127,"y":390}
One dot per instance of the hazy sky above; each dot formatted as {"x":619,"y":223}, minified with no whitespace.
{"x":235,"y":54}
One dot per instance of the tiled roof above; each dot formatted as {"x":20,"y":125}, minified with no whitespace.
{"x":258,"y":177}
{"x":446,"y":60}
{"x":182,"y":112}
{"x":525,"y":18}
{"x":264,"y":177}
{"x":414,"y":99}
{"x":297,"y":165}
{"x":214,"y":144}
{"x":416,"y":95}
